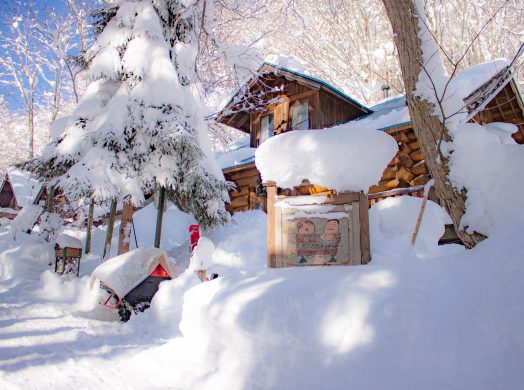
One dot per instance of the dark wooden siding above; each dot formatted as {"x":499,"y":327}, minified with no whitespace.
{"x":7,"y":198}
{"x":335,"y":111}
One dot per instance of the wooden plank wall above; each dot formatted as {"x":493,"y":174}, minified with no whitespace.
{"x":335,"y":111}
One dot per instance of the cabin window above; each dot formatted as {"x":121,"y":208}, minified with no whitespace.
{"x":266,"y":127}
{"x":300,"y":116}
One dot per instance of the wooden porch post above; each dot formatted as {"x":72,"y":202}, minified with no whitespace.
{"x":109,"y":233}
{"x":124,"y":235}
{"x":271,"y":228}
{"x":159,"y":216}
{"x":365,"y":250}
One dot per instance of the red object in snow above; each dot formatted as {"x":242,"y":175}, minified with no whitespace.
{"x":194,"y":236}
{"x":160,"y":271}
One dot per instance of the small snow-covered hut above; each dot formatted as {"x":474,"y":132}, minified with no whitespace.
{"x":17,"y":191}
{"x":125,"y":272}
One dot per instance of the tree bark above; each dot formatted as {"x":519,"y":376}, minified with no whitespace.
{"x":428,"y":128}
{"x":125,"y":228}
{"x":89,"y":225}
{"x":109,"y":233}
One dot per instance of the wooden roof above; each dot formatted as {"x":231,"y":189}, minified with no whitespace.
{"x":498,"y":100}
{"x":236,"y":112}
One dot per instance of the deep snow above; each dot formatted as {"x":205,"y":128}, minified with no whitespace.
{"x":433,"y":318}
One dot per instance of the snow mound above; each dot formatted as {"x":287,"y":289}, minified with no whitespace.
{"x":488,"y":163}
{"x":348,"y":157}
{"x":394,"y":220}
{"x":202,"y":254}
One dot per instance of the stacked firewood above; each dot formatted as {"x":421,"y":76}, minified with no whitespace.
{"x":408,"y":168}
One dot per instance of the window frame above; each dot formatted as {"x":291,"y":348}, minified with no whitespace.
{"x":294,"y":106}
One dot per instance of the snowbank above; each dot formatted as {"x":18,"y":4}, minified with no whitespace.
{"x":488,"y":163}
{"x":446,"y":321}
{"x":392,"y":222}
{"x":349,"y":157}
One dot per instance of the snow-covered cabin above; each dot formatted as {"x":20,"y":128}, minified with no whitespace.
{"x":277,"y":100}
{"x":296,"y":101}
{"x":18,"y":190}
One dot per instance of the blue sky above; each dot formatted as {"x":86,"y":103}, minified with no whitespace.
{"x":7,"y":9}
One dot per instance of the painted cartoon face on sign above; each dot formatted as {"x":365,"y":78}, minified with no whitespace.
{"x":332,"y":227}
{"x":305,"y":226}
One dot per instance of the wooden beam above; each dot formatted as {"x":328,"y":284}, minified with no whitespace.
{"x":271,"y":228}
{"x":109,"y":232}
{"x":124,"y":234}
{"x":159,"y":216}
{"x":365,"y":246}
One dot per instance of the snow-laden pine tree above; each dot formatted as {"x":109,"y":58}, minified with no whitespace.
{"x":140,"y":125}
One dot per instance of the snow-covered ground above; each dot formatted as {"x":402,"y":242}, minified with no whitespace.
{"x":424,"y":318}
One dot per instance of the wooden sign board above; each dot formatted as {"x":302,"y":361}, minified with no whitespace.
{"x":317,"y":230}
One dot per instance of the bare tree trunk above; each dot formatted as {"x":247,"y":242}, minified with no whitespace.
{"x":404,"y":20}
{"x":31,"y":120}
{"x":124,"y":236}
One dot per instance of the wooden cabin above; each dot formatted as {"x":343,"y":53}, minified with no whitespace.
{"x":17,"y":191}
{"x":498,"y":99}
{"x":294,"y":101}
{"x":281,"y":100}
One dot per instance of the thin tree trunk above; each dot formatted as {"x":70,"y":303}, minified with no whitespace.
{"x":89,"y":225}
{"x":404,"y":20}
{"x":159,"y":216}
{"x":31,"y":134}
{"x":125,"y":228}
{"x":50,"y":198}
{"x":109,"y":233}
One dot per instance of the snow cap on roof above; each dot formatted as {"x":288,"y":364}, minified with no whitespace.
{"x":25,"y":188}
{"x":125,"y":272}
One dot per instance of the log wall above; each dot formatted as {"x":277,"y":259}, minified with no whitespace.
{"x":243,"y":197}
{"x":408,"y":168}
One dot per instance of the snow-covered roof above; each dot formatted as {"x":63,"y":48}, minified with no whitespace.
{"x":24,"y":187}
{"x":125,"y":272}
{"x":66,"y":241}
{"x":393,"y":112}
{"x":237,"y":158}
